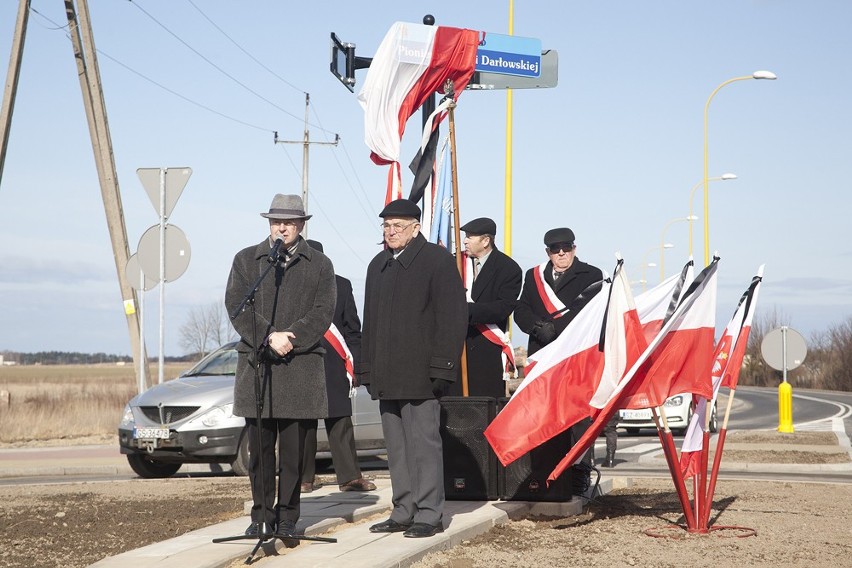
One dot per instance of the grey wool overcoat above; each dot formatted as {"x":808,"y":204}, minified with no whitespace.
{"x":298,"y":297}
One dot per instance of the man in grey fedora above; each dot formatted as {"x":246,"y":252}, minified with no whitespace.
{"x":293,"y":307}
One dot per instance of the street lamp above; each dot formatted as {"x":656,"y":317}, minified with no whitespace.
{"x":723,"y":177}
{"x":768,"y":75}
{"x":690,"y":218}
{"x":645,"y":262}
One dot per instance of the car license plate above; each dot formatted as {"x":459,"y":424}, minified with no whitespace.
{"x":151,"y":433}
{"x":641,"y":414}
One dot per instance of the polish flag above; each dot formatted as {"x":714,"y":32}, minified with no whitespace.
{"x":412,"y":62}
{"x":657,"y":304}
{"x":566,"y":377}
{"x":728,"y":360}
{"x":681,"y":347}
{"x":682,"y":360}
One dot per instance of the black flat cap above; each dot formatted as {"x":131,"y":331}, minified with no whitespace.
{"x":481,"y":226}
{"x":314,"y":244}
{"x":401,"y":208}
{"x":560,"y":235}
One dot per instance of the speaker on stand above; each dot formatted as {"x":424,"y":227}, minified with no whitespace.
{"x":470,"y":465}
{"x":525,"y":479}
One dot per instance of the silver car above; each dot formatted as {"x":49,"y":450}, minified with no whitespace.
{"x":190,"y":420}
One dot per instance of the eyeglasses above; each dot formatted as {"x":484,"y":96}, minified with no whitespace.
{"x":560,"y":247}
{"x":395,"y":227}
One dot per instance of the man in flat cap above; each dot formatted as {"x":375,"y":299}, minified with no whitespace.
{"x":551,"y":297}
{"x":492,"y":281}
{"x":280,"y":352}
{"x":415,"y":318}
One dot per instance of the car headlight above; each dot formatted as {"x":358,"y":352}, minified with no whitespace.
{"x":215,"y":416}
{"x":127,"y":420}
{"x":675,"y":401}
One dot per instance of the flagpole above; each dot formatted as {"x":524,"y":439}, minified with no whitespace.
{"x":671,"y":453}
{"x":448,"y":89}
{"x":717,"y":459}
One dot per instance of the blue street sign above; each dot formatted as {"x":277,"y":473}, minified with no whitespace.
{"x":509,"y":55}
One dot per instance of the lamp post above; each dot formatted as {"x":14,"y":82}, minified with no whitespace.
{"x":723,"y":177}
{"x":768,"y":75}
{"x":664,"y":246}
{"x":645,"y":262}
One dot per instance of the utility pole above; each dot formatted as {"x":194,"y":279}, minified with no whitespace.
{"x":15,"y":59}
{"x":306,"y":142}
{"x":83,"y":44}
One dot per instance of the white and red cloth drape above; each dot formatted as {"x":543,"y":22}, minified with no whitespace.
{"x":412,"y":62}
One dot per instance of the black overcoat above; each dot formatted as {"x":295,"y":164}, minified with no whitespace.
{"x":349,"y":325}
{"x":299,"y":299}
{"x":531,"y":309}
{"x":415,"y":319}
{"x":495,"y":295}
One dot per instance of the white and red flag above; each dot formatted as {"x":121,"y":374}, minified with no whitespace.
{"x":565,"y":377}
{"x":412,"y":62}
{"x":658,"y":304}
{"x":728,"y":360}
{"x":683,"y":345}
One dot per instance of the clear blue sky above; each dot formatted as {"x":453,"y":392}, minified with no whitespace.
{"x":612,"y":152}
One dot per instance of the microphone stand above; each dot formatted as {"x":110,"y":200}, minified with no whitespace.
{"x":265,"y":533}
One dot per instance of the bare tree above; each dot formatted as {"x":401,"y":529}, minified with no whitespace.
{"x":206,"y":328}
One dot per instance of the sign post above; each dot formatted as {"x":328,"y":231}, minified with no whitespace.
{"x":164,"y":187}
{"x":784,"y":348}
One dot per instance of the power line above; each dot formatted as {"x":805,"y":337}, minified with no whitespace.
{"x":153,"y":82}
{"x":369,"y":216}
{"x":249,"y":55}
{"x":212,"y":64}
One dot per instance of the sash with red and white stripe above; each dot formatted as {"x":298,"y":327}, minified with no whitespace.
{"x":334,"y":337}
{"x":551,"y":302}
{"x":490,"y":331}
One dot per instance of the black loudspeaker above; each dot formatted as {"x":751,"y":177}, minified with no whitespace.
{"x":470,"y":465}
{"x":525,"y":479}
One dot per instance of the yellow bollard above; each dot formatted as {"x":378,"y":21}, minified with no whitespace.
{"x":785,"y":408}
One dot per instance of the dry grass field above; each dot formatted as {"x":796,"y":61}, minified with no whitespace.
{"x":60,"y":402}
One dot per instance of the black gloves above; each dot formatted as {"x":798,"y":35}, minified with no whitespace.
{"x":440,"y":387}
{"x":544,"y":332}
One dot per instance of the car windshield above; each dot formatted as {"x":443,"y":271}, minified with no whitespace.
{"x":221,"y":362}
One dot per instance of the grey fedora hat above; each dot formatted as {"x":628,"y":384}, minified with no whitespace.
{"x":286,"y":207}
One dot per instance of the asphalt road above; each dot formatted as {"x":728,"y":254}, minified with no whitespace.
{"x":752,"y":409}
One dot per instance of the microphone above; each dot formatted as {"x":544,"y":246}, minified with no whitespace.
{"x":274,"y":252}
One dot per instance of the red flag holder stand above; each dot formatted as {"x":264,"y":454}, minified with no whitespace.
{"x":676,"y":531}
{"x":697,"y":514}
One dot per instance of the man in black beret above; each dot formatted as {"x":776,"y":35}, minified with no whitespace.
{"x":551,"y":298}
{"x":415,"y":318}
{"x":493,"y":282}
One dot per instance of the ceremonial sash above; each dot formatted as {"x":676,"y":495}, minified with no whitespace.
{"x":334,"y":337}
{"x":551,"y":302}
{"x":490,"y":331}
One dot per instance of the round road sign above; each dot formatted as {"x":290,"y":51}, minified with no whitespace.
{"x":177,"y":253}
{"x":772,"y":348}
{"x":132,"y":270}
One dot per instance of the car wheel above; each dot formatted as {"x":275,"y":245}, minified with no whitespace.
{"x":145,"y":467}
{"x":240,"y":465}
{"x":714,"y":424}
{"x":632,"y":431}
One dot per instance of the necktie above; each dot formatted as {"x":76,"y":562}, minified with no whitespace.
{"x":556,"y":275}
{"x":475,"y":268}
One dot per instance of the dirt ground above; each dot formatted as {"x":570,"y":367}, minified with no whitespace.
{"x":796,"y":524}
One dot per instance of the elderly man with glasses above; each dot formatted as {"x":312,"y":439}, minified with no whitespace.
{"x":415,"y":319}
{"x":551,"y":297}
